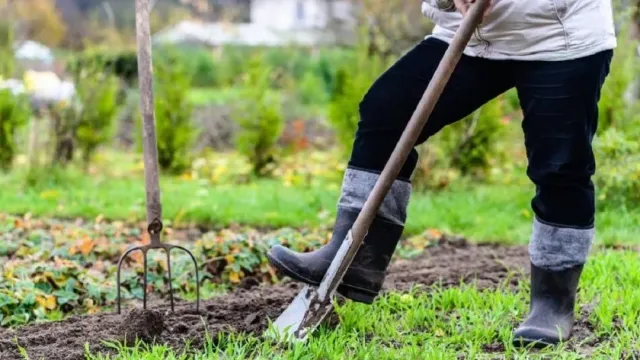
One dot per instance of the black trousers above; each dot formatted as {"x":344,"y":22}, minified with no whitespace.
{"x":559,"y":101}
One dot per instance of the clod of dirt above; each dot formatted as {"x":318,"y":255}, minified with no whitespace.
{"x":248,"y":283}
{"x":180,"y":328}
{"x":142,"y":325}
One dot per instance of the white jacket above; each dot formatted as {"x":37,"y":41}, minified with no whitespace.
{"x":548,"y":30}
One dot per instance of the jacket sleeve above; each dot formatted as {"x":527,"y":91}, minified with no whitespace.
{"x":443,"y":5}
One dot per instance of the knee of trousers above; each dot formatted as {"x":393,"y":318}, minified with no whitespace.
{"x":378,"y":132}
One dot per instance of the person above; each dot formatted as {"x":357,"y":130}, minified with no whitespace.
{"x":556,"y":54}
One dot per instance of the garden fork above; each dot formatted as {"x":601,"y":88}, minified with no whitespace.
{"x":150,"y":149}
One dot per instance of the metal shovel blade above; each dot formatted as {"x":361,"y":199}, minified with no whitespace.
{"x":311,"y":306}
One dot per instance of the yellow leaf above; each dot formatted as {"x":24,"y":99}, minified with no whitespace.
{"x":234,"y":277}
{"x":50,"y":302}
{"x":229,"y":259}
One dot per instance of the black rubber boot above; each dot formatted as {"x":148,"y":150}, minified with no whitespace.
{"x":551,"y":312}
{"x":363,"y":281}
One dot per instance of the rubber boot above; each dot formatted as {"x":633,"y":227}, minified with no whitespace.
{"x":363,"y":280}
{"x":551,"y":311}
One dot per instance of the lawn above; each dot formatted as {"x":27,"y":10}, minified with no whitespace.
{"x":482,"y":212}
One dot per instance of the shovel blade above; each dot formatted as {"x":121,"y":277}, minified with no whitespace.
{"x":311,"y":305}
{"x":302,"y":315}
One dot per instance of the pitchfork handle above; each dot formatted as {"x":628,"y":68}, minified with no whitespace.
{"x":150,"y":147}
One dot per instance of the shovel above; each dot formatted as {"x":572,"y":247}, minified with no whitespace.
{"x":311,"y":306}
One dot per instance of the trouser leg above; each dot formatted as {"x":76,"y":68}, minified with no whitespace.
{"x":560,"y":106}
{"x":385,"y":111}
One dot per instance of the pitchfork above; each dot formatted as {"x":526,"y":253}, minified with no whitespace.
{"x":150,"y":149}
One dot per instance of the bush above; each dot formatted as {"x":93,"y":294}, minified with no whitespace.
{"x":175,"y":131}
{"x":121,"y":64}
{"x":615,"y":145}
{"x":260,"y":118}
{"x":88,"y":121}
{"x":466,"y":148}
{"x":14,"y":113}
{"x":8,"y":63}
{"x":311,"y":90}
{"x":97,"y":93}
{"x":618,"y":172}
{"x":351,"y":82}
{"x":613,"y":105}
{"x":476,"y":138}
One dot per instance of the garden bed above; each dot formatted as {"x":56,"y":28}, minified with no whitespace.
{"x":248,"y":308}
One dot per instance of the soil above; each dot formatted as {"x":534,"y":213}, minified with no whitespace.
{"x":249,"y":306}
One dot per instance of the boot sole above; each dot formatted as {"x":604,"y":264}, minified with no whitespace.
{"x":350,"y":292}
{"x":535,"y":343}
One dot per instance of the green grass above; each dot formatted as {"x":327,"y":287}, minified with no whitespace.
{"x":445,"y":323}
{"x":481,"y":212}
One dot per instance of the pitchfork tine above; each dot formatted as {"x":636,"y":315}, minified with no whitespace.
{"x":144,"y":286}
{"x":195,"y":265}
{"x":120,"y":266}
{"x":168,"y":250}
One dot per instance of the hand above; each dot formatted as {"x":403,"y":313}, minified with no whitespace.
{"x":463,"y":7}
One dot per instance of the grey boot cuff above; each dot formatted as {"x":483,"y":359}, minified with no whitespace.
{"x":356,"y":186}
{"x":558,"y":248}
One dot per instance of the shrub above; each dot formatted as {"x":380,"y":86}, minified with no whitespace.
{"x":613,"y":106}
{"x":476,"y":139}
{"x":121,"y":64}
{"x":351,"y":82}
{"x":175,"y":132}
{"x":618,"y":172}
{"x":97,"y":93}
{"x":87,"y":122}
{"x":466,"y":148}
{"x":311,"y":90}
{"x":260,"y":118}
{"x":615,"y":145}
{"x":8,"y":63}
{"x":14,"y":113}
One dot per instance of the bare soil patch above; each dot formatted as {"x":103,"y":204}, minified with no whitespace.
{"x":248,"y":307}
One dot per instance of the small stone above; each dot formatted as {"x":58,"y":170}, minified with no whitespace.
{"x":250,"y":319}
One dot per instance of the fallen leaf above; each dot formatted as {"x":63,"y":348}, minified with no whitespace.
{"x":86,"y":245}
{"x":234,"y":277}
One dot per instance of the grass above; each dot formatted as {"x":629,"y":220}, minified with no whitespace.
{"x":446,"y":323}
{"x":479,"y":212}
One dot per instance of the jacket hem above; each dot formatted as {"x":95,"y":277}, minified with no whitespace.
{"x":556,"y":55}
